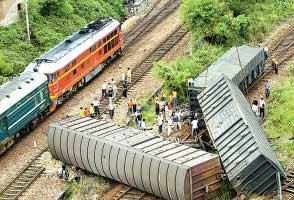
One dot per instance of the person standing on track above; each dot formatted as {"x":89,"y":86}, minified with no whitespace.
{"x":125,"y":89}
{"x":262,"y":108}
{"x":275,"y":66}
{"x":104,"y":87}
{"x":129,"y":75}
{"x":123,"y":78}
{"x":111,"y":110}
{"x":267,"y":89}
{"x":96,"y":104}
{"x":110,"y":92}
{"x":114,"y":87}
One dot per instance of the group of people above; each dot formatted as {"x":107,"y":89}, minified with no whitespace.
{"x":259,"y":107}
{"x":166,"y":112}
{"x":63,"y":173}
{"x":93,"y":110}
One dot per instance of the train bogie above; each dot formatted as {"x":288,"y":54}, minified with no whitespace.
{"x":141,"y":160}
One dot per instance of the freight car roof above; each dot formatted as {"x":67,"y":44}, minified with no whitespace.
{"x":147,"y":162}
{"x":235,"y":131}
{"x":229,"y":64}
{"x":14,"y":90}
{"x":137,"y":140}
{"x":66,"y":51}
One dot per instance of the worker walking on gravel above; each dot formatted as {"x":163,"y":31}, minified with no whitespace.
{"x":262,"y":108}
{"x":110,"y":92}
{"x":265,"y":51}
{"x":129,"y":75}
{"x":267,"y":89}
{"x":96,"y":104}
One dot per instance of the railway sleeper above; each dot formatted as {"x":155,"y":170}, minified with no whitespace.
{"x":289,"y":190}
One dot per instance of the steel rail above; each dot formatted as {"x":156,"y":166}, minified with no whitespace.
{"x":130,"y":194}
{"x":141,"y":69}
{"x":14,"y":189}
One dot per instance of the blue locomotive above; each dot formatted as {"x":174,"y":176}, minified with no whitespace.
{"x":24,"y":102}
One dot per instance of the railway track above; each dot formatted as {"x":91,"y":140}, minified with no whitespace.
{"x":144,"y":67}
{"x":24,"y":179}
{"x":281,"y":49}
{"x":287,"y":188}
{"x":149,"y":23}
{"x":129,"y":193}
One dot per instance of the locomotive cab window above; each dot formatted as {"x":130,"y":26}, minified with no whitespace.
{"x":66,"y":68}
{"x":74,"y":62}
{"x":99,"y":43}
{"x":104,"y":40}
{"x":93,"y":48}
{"x":52,"y":78}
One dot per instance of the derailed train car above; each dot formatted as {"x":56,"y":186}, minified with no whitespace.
{"x":141,"y":160}
{"x":252,"y":61}
{"x":245,"y":152}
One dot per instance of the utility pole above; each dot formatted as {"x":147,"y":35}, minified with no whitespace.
{"x":27,"y":20}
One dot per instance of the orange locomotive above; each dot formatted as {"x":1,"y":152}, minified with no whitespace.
{"x":76,"y":60}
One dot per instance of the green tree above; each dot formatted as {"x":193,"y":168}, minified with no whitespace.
{"x":214,"y":21}
{"x":56,"y":7}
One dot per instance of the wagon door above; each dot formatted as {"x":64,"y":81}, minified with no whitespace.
{"x":3,"y":129}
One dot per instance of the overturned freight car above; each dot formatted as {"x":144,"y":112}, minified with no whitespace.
{"x":243,"y":65}
{"x":141,"y":160}
{"x":245,"y":152}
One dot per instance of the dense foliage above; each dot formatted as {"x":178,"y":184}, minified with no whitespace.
{"x":175,"y":74}
{"x":234,"y":21}
{"x":51,"y":21}
{"x":279,"y":124}
{"x":222,"y":24}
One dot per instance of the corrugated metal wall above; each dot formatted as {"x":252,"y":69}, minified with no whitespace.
{"x":245,"y":152}
{"x":141,"y":160}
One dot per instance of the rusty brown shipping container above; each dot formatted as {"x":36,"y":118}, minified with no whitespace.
{"x":141,"y":160}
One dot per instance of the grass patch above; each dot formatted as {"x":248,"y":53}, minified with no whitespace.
{"x":279,"y":126}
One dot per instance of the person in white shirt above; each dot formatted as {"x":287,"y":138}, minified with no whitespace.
{"x":160,"y":123}
{"x":255,"y":109}
{"x":143,"y":125}
{"x":190,"y":81}
{"x":170,"y":124}
{"x":96,"y":104}
{"x":194,"y":124}
{"x":104,"y":87}
{"x":166,"y":111}
{"x":114,"y":88}
{"x":111,"y":110}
